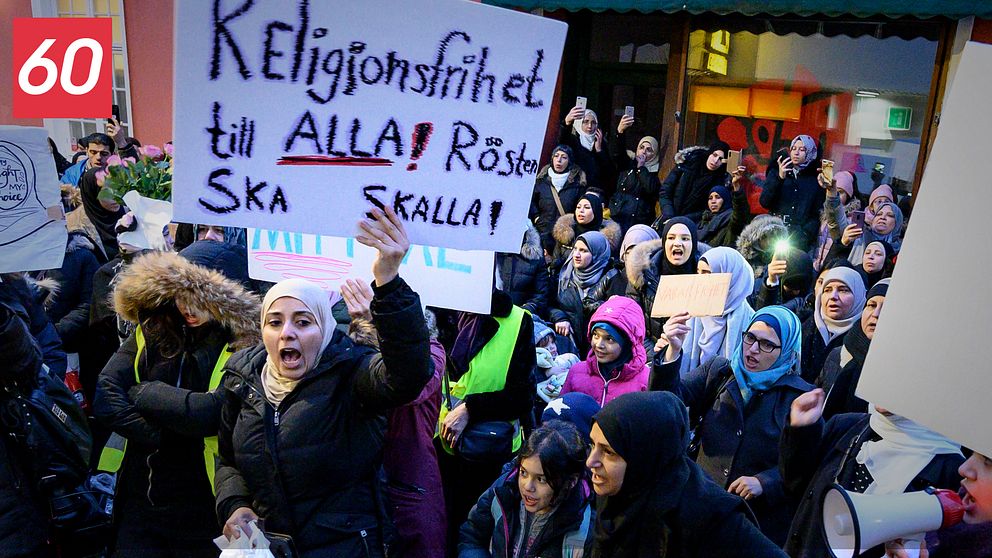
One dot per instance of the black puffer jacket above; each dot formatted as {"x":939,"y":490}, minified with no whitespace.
{"x":572,"y":307}
{"x":525,"y":275}
{"x":682,"y":194}
{"x":637,"y":190}
{"x":309,"y":466}
{"x":543,"y":209}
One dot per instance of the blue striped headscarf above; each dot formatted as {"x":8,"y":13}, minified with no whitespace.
{"x":789,"y":330}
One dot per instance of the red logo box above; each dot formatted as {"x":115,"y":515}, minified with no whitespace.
{"x":63,"y":67}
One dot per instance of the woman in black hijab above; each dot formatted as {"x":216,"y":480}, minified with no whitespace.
{"x":684,"y":193}
{"x":876,"y":262}
{"x":651,"y":499}
{"x":103,"y":214}
{"x":675,"y":253}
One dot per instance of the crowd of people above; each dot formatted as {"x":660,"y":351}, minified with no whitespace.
{"x":568,"y":421}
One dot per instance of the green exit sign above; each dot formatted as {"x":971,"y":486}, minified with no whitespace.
{"x":900,"y":118}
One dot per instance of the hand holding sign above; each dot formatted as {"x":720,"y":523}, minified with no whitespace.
{"x":696,"y":295}
{"x":676,"y":328}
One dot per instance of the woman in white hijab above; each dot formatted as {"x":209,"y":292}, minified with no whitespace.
{"x":840,"y":298}
{"x":711,"y":336}
{"x":638,"y":186}
{"x":582,"y":133}
{"x":303,"y":423}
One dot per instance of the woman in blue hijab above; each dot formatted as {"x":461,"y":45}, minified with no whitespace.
{"x":739,"y":407}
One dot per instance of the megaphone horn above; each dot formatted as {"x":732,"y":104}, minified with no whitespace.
{"x":853,"y":523}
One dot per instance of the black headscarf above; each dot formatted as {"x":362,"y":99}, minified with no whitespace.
{"x":103,"y":219}
{"x":667,"y":268}
{"x":799,"y":273}
{"x":701,"y":178}
{"x":597,"y":211}
{"x":649,"y":430}
{"x":886,"y":271}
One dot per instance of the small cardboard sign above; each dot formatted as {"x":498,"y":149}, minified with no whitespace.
{"x":703,"y":294}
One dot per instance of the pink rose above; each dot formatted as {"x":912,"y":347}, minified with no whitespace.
{"x":101,"y":175}
{"x":169,"y":149}
{"x":150,"y":151}
{"x":114,"y":161}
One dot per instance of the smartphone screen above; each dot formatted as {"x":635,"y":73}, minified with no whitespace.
{"x":581,"y":102}
{"x":116,"y":111}
{"x":827,"y":167}
{"x":628,"y":111}
{"x":733,"y":160}
{"x":858,"y":218}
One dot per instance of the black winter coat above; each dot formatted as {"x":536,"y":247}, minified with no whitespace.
{"x":23,"y":513}
{"x":165,"y":419}
{"x":482,"y":530}
{"x":19,"y":297}
{"x":800,"y":198}
{"x":681,"y":196}
{"x":636,"y":195}
{"x":815,"y":351}
{"x":735,"y":439}
{"x":310,"y":465}
{"x":525,"y":275}
{"x":740,"y":215}
{"x":70,"y":310}
{"x":811,"y":457}
{"x":801,"y":306}
{"x":543,"y":209}
{"x":597,"y":165}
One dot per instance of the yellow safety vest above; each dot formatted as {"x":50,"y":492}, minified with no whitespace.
{"x":112,"y":456}
{"x":487,"y":371}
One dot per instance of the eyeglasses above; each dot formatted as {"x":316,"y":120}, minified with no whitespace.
{"x":763,"y":346}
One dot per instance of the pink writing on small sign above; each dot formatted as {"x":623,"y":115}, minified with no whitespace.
{"x":698,"y":294}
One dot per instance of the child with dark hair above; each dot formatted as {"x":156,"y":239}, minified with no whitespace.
{"x":540,"y":506}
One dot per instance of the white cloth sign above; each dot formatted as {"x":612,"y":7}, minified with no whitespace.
{"x":32,"y":224}
{"x":443,"y":277}
{"x":302,"y":116}
{"x":929,"y":357}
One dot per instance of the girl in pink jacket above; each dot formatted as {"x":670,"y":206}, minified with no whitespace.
{"x":616,"y":363}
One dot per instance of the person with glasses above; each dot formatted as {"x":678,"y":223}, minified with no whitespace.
{"x":739,"y":406}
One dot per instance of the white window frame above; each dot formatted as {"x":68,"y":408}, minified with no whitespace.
{"x":58,"y":128}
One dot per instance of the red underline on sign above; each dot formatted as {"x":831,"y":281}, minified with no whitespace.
{"x":317,"y":160}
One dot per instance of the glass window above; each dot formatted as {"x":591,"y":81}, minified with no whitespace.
{"x":864,"y":98}
{"x":79,"y":128}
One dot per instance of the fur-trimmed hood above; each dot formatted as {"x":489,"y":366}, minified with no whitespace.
{"x":564,"y":231}
{"x":160,"y":278}
{"x":575,"y":175}
{"x":638,"y":261}
{"x":763,"y":226}
{"x":531,"y":248}
{"x":683,"y":155}
{"x":44,"y":289}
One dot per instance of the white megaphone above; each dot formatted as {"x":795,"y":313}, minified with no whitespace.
{"x":853,"y":523}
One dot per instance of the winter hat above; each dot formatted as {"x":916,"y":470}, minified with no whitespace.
{"x":574,"y":407}
{"x":541,"y":330}
{"x":845,"y":181}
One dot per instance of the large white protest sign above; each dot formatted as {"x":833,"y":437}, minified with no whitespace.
{"x":929,"y":358}
{"x":32,"y":225}
{"x":302,"y":116}
{"x":443,"y":277}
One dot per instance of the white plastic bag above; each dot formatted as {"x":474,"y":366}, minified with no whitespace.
{"x":254,"y":546}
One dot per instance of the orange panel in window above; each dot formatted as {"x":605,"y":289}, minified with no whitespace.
{"x":776,"y":104}
{"x":730,"y":101}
